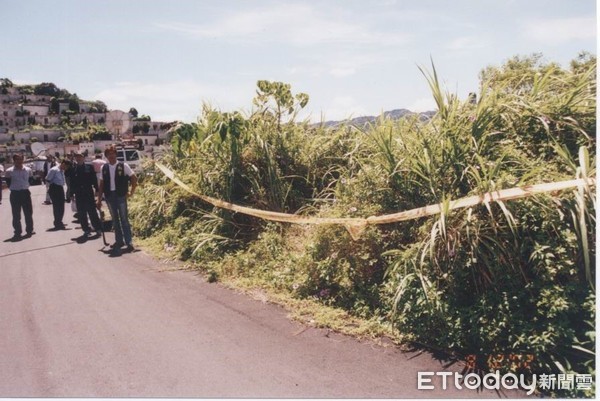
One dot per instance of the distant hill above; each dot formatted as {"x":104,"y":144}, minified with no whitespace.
{"x":395,"y":114}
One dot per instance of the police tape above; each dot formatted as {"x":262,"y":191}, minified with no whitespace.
{"x":357,"y":225}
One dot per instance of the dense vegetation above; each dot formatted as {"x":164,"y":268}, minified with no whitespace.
{"x":496,"y":279}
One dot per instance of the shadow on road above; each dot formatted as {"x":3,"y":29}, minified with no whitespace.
{"x":53,"y":229}
{"x":14,"y":239}
{"x":18,"y":238}
{"x":32,"y":250}
{"x":85,"y":238}
{"x":112,"y":253}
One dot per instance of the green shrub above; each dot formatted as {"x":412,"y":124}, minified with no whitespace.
{"x":493,"y":279}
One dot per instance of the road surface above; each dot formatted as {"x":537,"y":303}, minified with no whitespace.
{"x":75,"y":322}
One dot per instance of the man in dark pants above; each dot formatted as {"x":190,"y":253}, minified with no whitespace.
{"x":56,"y":182}
{"x":83,"y":185}
{"x":1,"y":178}
{"x":48,"y":164}
{"x":17,"y":178}
{"x":114,"y":185}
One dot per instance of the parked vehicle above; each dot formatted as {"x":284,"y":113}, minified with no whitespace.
{"x":131,"y":156}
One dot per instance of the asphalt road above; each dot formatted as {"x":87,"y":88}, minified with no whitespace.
{"x":75,"y":322}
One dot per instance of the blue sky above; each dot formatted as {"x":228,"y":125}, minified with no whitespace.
{"x":353,"y":57}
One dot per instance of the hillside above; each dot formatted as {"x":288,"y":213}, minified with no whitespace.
{"x":52,"y":115}
{"x":395,"y":114}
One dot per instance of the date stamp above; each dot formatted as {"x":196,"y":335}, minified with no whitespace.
{"x":508,"y":362}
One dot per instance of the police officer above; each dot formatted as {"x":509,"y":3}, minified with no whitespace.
{"x":83,"y":186}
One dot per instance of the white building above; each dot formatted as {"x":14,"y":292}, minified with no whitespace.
{"x":118,"y":123}
{"x":46,"y":135}
{"x":36,"y":109}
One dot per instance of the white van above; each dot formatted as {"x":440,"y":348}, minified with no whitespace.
{"x":131,"y":156}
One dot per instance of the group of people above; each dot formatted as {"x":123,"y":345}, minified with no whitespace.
{"x":88,"y":185}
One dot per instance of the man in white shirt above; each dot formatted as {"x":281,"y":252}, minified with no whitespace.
{"x":48,"y":164}
{"x":56,"y":183}
{"x":98,"y":162}
{"x":114,"y":185}
{"x":1,"y":177}
{"x":17,"y":178}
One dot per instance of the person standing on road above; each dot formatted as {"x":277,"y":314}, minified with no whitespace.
{"x":83,"y":186}
{"x":98,"y":162}
{"x":56,"y":182}
{"x":48,"y":164}
{"x":17,"y":178}
{"x":1,"y":178}
{"x":114,"y":185}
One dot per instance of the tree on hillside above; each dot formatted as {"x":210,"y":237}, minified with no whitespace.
{"x":143,"y":117}
{"x":5,"y":83}
{"x":100,"y":135}
{"x":26,"y":89}
{"x":133,"y":112}
{"x":74,"y":103}
{"x":98,"y":107}
{"x":47,"y":89}
{"x":54,"y":105}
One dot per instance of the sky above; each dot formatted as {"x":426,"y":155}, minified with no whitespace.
{"x":352,"y":57}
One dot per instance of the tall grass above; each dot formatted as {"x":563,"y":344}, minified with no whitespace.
{"x":498,"y":278}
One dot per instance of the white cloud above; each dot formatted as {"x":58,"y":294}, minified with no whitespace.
{"x":342,"y":107}
{"x":422,"y":104}
{"x":561,"y":30}
{"x":178,"y":100}
{"x":467,"y":43}
{"x":338,"y":64}
{"x":296,"y":24}
{"x":308,"y":69}
{"x":342,"y":72}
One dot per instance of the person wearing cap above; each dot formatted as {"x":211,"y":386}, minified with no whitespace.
{"x":17,"y":178}
{"x":83,"y":186}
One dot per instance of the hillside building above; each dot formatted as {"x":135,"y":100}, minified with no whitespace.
{"x":27,"y":118}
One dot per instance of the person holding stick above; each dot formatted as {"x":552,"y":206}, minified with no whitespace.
{"x":115,"y":186}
